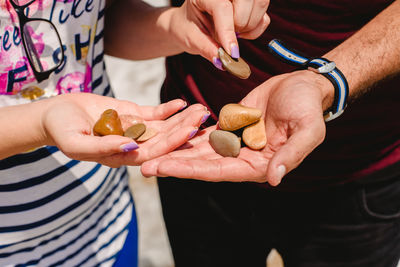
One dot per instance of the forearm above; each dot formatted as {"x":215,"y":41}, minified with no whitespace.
{"x":22,"y":128}
{"x":136,"y":30}
{"x":370,"y":55}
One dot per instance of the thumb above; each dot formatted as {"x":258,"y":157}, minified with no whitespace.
{"x":293,"y":152}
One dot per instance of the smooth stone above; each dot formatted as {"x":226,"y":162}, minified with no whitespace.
{"x":129,"y":120}
{"x":254,"y":135}
{"x":225,"y":143}
{"x":235,"y":116}
{"x":149,"y":133}
{"x":135,"y":131}
{"x":109,"y":123}
{"x":237,"y":67}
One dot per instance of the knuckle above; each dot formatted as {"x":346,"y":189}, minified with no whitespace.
{"x":223,"y":5}
{"x":263,"y":4}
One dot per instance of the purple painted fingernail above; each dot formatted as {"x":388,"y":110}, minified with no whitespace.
{"x":129,"y":147}
{"x":235,"y":51}
{"x":217,"y":63}
{"x":205,"y":117}
{"x":193,"y":133}
{"x":184,"y":106}
{"x":237,"y":35}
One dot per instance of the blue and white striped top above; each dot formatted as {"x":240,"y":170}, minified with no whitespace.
{"x":55,"y":211}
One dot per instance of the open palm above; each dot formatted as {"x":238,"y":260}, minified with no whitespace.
{"x":69,"y":123}
{"x":294,"y":127}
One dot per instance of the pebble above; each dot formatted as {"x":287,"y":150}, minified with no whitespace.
{"x":237,"y":67}
{"x":135,"y":131}
{"x":235,"y":116}
{"x":149,"y":133}
{"x":254,"y":135}
{"x":109,"y":123}
{"x":225,"y":143}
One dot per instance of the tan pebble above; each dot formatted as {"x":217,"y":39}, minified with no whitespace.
{"x":109,"y":123}
{"x":237,"y":67}
{"x":149,"y":133}
{"x":254,"y":135}
{"x":236,"y":116}
{"x":135,"y":131}
{"x":128,"y":120}
{"x":225,"y":143}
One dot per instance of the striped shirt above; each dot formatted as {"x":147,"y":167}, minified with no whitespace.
{"x":56,"y":211}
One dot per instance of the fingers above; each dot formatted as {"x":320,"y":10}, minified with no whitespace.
{"x":222,"y":16}
{"x":293,"y":152}
{"x":162,"y":111}
{"x":255,"y":32}
{"x":223,"y":169}
{"x":84,"y":147}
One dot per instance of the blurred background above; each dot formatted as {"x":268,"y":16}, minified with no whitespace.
{"x":140,"y":82}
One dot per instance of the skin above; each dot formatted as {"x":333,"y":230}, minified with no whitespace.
{"x":294,"y":121}
{"x":197,"y":27}
{"x":66,"y":121}
{"x":134,"y":30}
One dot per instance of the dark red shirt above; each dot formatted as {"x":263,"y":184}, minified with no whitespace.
{"x":363,"y":144}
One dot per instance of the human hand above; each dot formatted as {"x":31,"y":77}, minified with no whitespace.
{"x":293,"y":107}
{"x":201,"y":25}
{"x":69,"y":120}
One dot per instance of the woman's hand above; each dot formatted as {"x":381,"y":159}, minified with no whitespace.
{"x":69,"y":120}
{"x":202,"y":26}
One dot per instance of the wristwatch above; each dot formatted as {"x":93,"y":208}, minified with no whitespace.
{"x":319,"y":65}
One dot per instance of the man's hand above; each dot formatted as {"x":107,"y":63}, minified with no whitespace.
{"x":293,"y":115}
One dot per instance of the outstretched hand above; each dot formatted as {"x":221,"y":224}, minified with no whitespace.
{"x":292,"y":105}
{"x":69,"y":121}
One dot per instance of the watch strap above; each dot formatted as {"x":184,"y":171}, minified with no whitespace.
{"x":319,"y":65}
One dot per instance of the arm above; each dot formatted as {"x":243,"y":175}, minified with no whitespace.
{"x":66,"y":121}
{"x":22,"y":128}
{"x":136,"y":30}
{"x":294,"y":121}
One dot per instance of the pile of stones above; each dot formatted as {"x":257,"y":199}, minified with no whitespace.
{"x":110,"y":123}
{"x":242,"y":120}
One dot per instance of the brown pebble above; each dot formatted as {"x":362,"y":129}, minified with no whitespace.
{"x":135,"y":131}
{"x":235,"y":116}
{"x":149,"y":133}
{"x":109,"y":123}
{"x":237,"y":67}
{"x":254,"y":135}
{"x":225,"y":143}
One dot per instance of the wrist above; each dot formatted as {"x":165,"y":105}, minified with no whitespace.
{"x":167,"y":23}
{"x":324,"y":85}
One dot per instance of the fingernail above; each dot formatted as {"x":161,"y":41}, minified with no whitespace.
{"x":184,"y":105}
{"x":205,"y":117}
{"x":281,"y":172}
{"x":129,"y":147}
{"x":235,"y":51}
{"x":237,"y":35}
{"x":193,"y":133}
{"x":217,"y":63}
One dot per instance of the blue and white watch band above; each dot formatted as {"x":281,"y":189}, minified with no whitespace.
{"x":319,"y":65}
